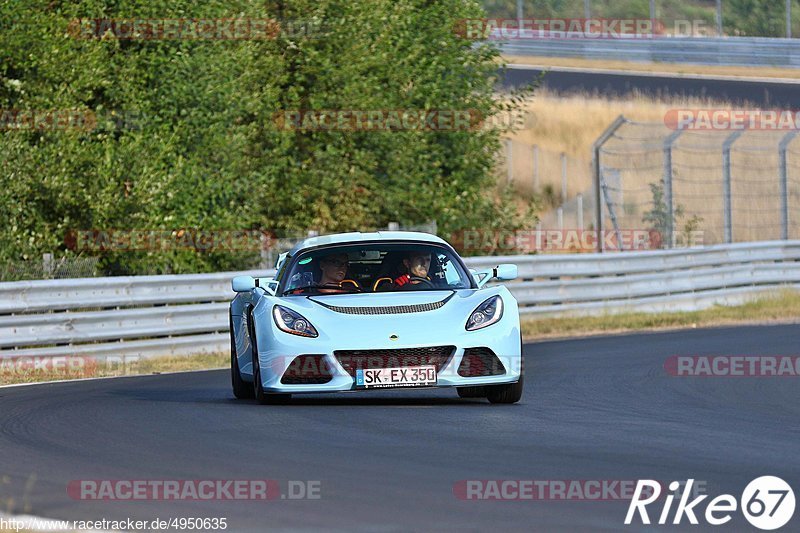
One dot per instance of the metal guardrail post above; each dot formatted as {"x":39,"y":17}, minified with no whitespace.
{"x":563,"y":177}
{"x":668,"y":198}
{"x":535,"y":167}
{"x":784,"y":145}
{"x":727,"y":205}
{"x":719,"y":18}
{"x":598,"y":203}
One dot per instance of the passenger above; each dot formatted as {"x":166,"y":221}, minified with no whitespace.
{"x":334,"y":270}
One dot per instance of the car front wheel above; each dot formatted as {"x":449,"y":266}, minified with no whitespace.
{"x":511,"y":393}
{"x":241,"y":389}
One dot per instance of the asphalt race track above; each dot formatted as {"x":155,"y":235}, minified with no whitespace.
{"x":762,"y":93}
{"x":594,"y":409}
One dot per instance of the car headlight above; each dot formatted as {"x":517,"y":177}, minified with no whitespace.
{"x":292,"y":322}
{"x":488,"y":313}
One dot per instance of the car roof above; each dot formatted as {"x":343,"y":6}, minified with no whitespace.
{"x":376,"y":236}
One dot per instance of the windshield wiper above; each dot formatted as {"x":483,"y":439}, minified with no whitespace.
{"x":317,"y":287}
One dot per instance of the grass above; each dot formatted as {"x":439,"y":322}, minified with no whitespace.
{"x":571,"y":124}
{"x":79,"y":368}
{"x":781,"y":307}
{"x":671,"y":68}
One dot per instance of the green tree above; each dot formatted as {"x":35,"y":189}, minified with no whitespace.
{"x":197,"y":146}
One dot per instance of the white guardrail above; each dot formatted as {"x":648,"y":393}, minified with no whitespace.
{"x":183,"y":314}
{"x":731,"y":51}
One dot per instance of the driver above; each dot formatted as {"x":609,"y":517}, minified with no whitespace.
{"x":417,"y":265}
{"x":334,"y":269}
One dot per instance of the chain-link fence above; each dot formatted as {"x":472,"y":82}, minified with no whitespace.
{"x":50,"y":268}
{"x":683,"y":187}
{"x":730,"y":185}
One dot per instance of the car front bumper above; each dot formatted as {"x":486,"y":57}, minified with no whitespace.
{"x":503,"y":339}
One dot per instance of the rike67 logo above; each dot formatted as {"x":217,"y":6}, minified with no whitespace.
{"x":767,"y":503}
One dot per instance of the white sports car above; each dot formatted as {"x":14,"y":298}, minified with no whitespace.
{"x":371,"y":311}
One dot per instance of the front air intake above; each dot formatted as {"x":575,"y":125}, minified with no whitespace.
{"x":307,"y":370}
{"x":479,"y":362}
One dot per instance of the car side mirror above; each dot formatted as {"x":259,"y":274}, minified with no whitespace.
{"x":506,"y":272}
{"x":243,"y":283}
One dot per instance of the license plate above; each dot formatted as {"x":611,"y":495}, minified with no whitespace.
{"x":413,"y":376}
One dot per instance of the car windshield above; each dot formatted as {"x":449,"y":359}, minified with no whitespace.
{"x":375,"y":268}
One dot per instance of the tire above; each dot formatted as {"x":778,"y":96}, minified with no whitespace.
{"x":511,"y":393}
{"x":471,"y":392}
{"x":264,"y":398}
{"x":241,"y":389}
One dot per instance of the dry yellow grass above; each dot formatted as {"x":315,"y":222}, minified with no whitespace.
{"x":672,"y":68}
{"x":571,"y":124}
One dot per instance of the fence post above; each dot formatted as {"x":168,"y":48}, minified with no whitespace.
{"x":563,"y":177}
{"x":719,"y":18}
{"x":784,"y":145}
{"x":535,"y":167}
{"x":510,"y":160}
{"x":668,"y":198}
{"x":520,"y":13}
{"x":587,"y":9}
{"x":788,"y":19}
{"x":726,"y":184}
{"x":611,"y":211}
{"x":598,"y":203}
{"x":47,"y":265}
{"x":579,"y":199}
